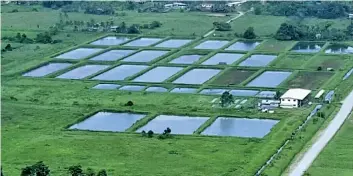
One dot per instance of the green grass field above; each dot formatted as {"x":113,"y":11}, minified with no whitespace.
{"x":309,"y":80}
{"x":336,"y":158}
{"x":330,"y":61}
{"x":292,"y":61}
{"x":233,"y":76}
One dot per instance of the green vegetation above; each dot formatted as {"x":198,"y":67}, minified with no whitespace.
{"x":335,"y":158}
{"x":309,"y":80}
{"x":36,"y":112}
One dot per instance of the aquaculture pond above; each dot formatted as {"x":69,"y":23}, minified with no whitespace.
{"x":243,"y":45}
{"x":108,"y":121}
{"x":47,"y":69}
{"x":177,"y":124}
{"x":213,"y":91}
{"x":269,"y":79}
{"x":173,"y":43}
{"x":158,"y":74}
{"x":223,"y":59}
{"x":240,"y":127}
{"x":143,"y":42}
{"x":212,"y":44}
{"x":156,"y":89}
{"x":339,"y":49}
{"x":110,"y":40}
{"x":106,"y":86}
{"x":79,"y":53}
{"x":186,"y":59}
{"x":257,"y":60}
{"x":197,"y":76}
{"x":243,"y":93}
{"x":120,"y":72}
{"x":307,"y":47}
{"x":184,"y":90}
{"x":132,"y":88}
{"x":83,"y":71}
{"x":112,"y":55}
{"x":145,"y":56}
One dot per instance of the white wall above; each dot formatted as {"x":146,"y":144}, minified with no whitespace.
{"x":289,"y":103}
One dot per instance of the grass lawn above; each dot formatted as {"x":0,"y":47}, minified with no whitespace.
{"x":336,"y":158}
{"x":275,"y":46}
{"x":292,"y":61}
{"x":330,"y":61}
{"x":233,"y":76}
{"x":309,"y":80}
{"x":36,"y":111}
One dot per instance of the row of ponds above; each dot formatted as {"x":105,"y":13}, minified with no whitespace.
{"x":217,"y":44}
{"x":186,"y":125}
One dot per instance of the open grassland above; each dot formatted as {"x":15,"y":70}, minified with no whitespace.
{"x":193,"y":23}
{"x":309,"y":80}
{"x":292,"y":61}
{"x":275,"y":46}
{"x":331,"y":61}
{"x":336,"y":158}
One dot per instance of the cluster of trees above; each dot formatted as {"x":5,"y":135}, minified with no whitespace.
{"x":226,"y":99}
{"x":325,"y":10}
{"x":8,"y":47}
{"x":222,"y":26}
{"x":19,"y":38}
{"x":55,"y":4}
{"x":136,"y":28}
{"x":44,"y":37}
{"x":40,"y":169}
{"x":100,"y":10}
{"x":299,"y":31}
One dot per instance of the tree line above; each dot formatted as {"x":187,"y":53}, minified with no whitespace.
{"x":319,"y":9}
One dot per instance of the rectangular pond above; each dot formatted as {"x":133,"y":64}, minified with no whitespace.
{"x":110,"y":40}
{"x":307,"y":47}
{"x":240,"y":127}
{"x":112,"y":55}
{"x":177,"y":124}
{"x":79,"y":53}
{"x":158,"y":74}
{"x":267,"y":94}
{"x":269,"y":79}
{"x":174,"y":43}
{"x":223,"y":59}
{"x":156,"y":89}
{"x":213,"y":91}
{"x":243,"y":45}
{"x":47,"y":69}
{"x":339,"y":49}
{"x":186,"y":59}
{"x":243,"y":93}
{"x":145,"y":56}
{"x":257,"y":60}
{"x":108,"y":121}
{"x":197,"y":76}
{"x":212,"y":44}
{"x":184,"y":90}
{"x":143,"y":42}
{"x":106,"y":86}
{"x":83,"y":71}
{"x":132,"y":88}
{"x":120,"y":72}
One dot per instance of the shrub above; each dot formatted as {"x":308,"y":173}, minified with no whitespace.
{"x":249,"y":33}
{"x":102,"y":173}
{"x":319,"y":68}
{"x":129,"y":103}
{"x":14,"y":11}
{"x":143,"y":133}
{"x":8,"y":47}
{"x":150,"y":134}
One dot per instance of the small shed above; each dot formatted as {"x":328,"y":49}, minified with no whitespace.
{"x":319,"y":94}
{"x":294,"y":98}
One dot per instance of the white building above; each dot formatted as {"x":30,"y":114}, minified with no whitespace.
{"x":176,"y":5}
{"x":350,"y":16}
{"x":293,"y":98}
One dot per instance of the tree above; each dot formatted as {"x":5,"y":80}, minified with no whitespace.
{"x":8,"y":47}
{"x":257,"y":10}
{"x":18,"y":36}
{"x":319,"y":68}
{"x":249,"y":33}
{"x":90,"y":172}
{"x":150,"y":133}
{"x":222,"y":26}
{"x":38,"y":169}
{"x":289,"y":32}
{"x":226,"y":99}
{"x":102,"y":173}
{"x":133,"y":29}
{"x":76,"y":170}
{"x":155,"y":24}
{"x":75,"y":28}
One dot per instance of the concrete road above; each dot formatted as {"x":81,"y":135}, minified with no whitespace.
{"x":304,"y":163}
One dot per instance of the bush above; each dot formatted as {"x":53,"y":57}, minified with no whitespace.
{"x":321,"y":114}
{"x":143,"y":133}
{"x":129,"y":103}
{"x":249,"y":33}
{"x":102,"y":173}
{"x":257,"y":11}
{"x":8,"y":47}
{"x":319,"y":68}
{"x":34,"y":10}
{"x":150,"y":134}
{"x":14,"y":11}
